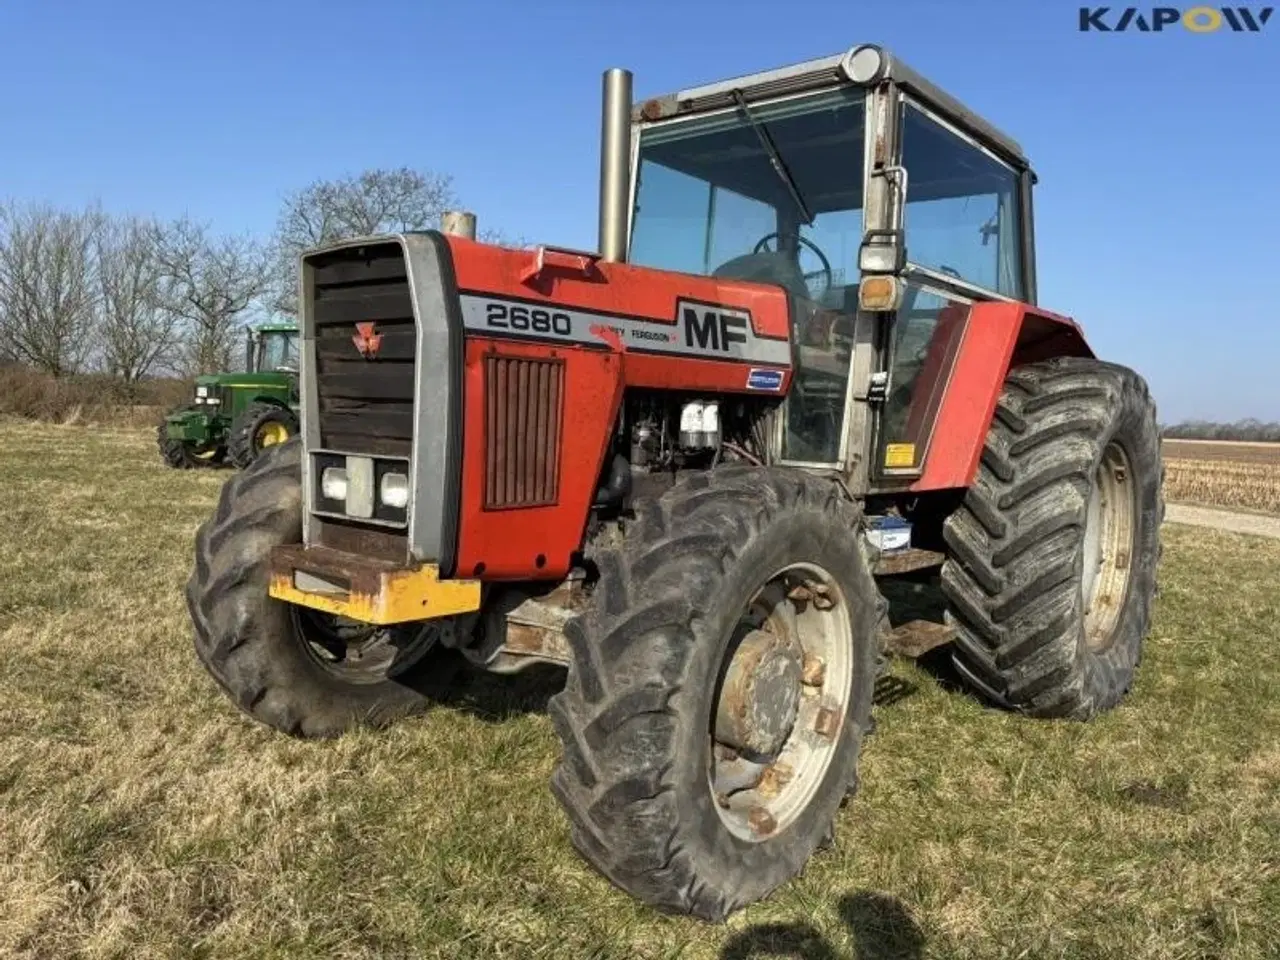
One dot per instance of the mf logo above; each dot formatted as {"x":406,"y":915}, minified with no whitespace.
{"x":1158,"y":19}
{"x":708,"y":327}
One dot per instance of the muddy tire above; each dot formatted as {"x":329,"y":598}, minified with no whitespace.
{"x":183,"y":455}
{"x":644,"y":690}
{"x":1053,"y":554}
{"x":280,"y":663}
{"x":259,"y":427}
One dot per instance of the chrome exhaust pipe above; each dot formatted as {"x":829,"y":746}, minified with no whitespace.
{"x":458,"y":223}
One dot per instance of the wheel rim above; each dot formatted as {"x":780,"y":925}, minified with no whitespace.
{"x":360,"y":653}
{"x":271,"y":433}
{"x":782,"y":702}
{"x":1108,"y":548}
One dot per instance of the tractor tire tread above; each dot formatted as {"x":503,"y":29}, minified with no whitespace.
{"x":1012,"y":574}
{"x":619,"y":716}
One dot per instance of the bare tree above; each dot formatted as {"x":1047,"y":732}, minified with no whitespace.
{"x":138,"y":330}
{"x":375,"y":201}
{"x":209,"y":283}
{"x":47,"y":293}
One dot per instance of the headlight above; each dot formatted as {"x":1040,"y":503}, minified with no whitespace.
{"x":394,"y":490}
{"x":333,"y":483}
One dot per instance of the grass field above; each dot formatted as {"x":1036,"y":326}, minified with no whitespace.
{"x":1223,"y":473}
{"x":141,"y":816}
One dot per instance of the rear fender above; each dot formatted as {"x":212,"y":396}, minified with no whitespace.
{"x":997,"y":337}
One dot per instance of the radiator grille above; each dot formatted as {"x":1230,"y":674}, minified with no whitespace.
{"x":365,"y":404}
{"x":523,"y":411}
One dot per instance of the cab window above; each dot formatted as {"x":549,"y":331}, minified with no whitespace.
{"x":962,"y":216}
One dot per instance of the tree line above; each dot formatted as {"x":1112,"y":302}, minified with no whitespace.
{"x":1249,"y":430}
{"x":133,"y":297}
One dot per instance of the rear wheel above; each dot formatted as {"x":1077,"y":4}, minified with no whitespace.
{"x":260,"y":427}
{"x":295,"y":669}
{"x":1053,"y":555}
{"x":721,"y":682}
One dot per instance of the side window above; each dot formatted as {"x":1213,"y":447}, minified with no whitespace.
{"x":962,"y":214}
{"x":670,"y":235}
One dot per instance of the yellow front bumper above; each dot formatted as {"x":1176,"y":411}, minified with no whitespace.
{"x":368,"y":590}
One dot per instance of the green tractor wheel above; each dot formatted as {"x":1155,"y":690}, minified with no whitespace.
{"x":260,"y":426}
{"x":187,"y":454}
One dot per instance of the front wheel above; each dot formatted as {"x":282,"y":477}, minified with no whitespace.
{"x":187,"y":454}
{"x":300,"y":671}
{"x":721,"y":682}
{"x":1053,"y":554}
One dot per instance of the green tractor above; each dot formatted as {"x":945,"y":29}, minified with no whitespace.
{"x":235,"y":416}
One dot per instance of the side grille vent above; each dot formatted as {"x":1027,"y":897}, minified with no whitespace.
{"x":524,"y":407}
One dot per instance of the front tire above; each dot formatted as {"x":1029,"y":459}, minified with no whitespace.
{"x":647,"y":777}
{"x":260,"y":427}
{"x":1053,"y":554}
{"x":293,"y":669}
{"x":185,"y":455}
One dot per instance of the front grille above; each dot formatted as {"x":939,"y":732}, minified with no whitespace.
{"x":365,"y":405}
{"x":524,"y":405}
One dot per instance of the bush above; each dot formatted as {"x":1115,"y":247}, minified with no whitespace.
{"x":87,"y":399}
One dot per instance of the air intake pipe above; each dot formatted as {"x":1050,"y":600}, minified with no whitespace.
{"x":615,"y":164}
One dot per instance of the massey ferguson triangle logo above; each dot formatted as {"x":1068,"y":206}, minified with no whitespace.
{"x":366,"y":340}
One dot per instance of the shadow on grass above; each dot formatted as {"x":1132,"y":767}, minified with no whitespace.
{"x":496,"y":698}
{"x":880,"y":926}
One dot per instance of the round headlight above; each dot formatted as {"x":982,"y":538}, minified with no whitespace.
{"x":394,"y":490}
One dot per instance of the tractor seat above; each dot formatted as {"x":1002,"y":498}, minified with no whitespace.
{"x":767,"y":267}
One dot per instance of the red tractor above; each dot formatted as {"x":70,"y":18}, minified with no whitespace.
{"x":673,"y":466}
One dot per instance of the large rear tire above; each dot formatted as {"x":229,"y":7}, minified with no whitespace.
{"x":693,"y":779}
{"x":298,"y":671}
{"x":259,"y":428}
{"x":1053,"y":554}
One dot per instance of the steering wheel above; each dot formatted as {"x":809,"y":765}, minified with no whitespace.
{"x":762,"y":246}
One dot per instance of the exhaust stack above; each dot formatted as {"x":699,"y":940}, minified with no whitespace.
{"x":459,"y":223}
{"x":615,"y":164}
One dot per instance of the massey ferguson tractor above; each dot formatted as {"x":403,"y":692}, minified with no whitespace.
{"x":683,"y":465}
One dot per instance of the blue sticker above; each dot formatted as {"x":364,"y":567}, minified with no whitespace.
{"x":764,"y":380}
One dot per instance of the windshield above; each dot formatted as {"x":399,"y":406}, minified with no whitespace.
{"x":278,"y":351}
{"x":762,"y":192}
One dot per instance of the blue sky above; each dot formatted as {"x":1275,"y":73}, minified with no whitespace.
{"x":1159,"y":154}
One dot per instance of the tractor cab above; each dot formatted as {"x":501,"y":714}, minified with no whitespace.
{"x":774,"y":178}
{"x":272,"y":349}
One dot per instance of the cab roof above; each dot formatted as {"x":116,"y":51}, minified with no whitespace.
{"x":866,"y":65}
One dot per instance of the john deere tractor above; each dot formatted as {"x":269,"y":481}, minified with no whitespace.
{"x":233,"y":417}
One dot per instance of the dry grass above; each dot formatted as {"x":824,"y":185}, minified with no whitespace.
{"x":1223,"y":474}
{"x":1224,"y":483}
{"x":141,"y":816}
{"x":1238,"y":450}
